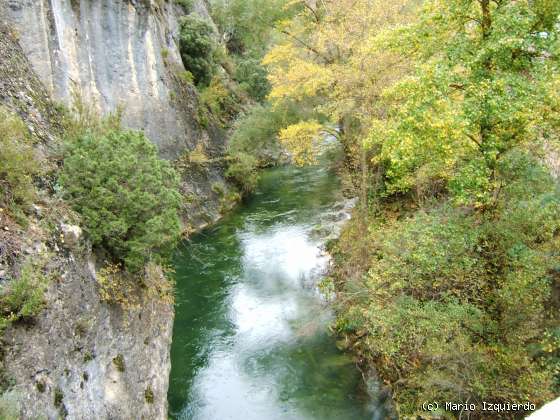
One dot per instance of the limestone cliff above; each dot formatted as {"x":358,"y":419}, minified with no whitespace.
{"x":115,"y":53}
{"x":82,"y":358}
{"x":124,"y":54}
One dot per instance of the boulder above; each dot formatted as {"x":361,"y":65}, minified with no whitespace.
{"x":71,"y":234}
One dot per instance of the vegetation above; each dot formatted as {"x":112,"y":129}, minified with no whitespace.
{"x":445,"y":110}
{"x":127,"y":196}
{"x":17,"y":165}
{"x":10,"y":403}
{"x":118,"y":361}
{"x":197,"y":49}
{"x":186,"y":5}
{"x":248,"y":30}
{"x":220,"y":100}
{"x":149,"y":395}
{"x":23,"y":297}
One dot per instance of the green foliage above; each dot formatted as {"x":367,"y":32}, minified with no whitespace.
{"x":248,"y":28}
{"x":186,"y":5}
{"x":127,"y":196}
{"x":17,"y":164}
{"x":254,"y":142}
{"x":248,"y":24}
{"x":448,"y":282}
{"x":58,"y":397}
{"x":187,"y":77}
{"x":243,"y":172}
{"x":24,"y":296}
{"x":197,"y":48}
{"x":149,"y":395}
{"x":252,"y":78}
{"x":220,"y":99}
{"x":454,"y":305}
{"x":483,"y":71}
{"x":118,"y":361}
{"x":256,"y":133}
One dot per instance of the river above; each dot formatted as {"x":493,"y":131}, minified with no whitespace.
{"x":251,"y":336}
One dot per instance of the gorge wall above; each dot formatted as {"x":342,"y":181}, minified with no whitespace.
{"x":114,"y":53}
{"x":125,"y":54}
{"x":84,"y":358}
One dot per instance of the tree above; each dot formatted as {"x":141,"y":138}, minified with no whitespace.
{"x":325,"y":53}
{"x":127,"y":196}
{"x":197,"y":48}
{"x":483,"y":72}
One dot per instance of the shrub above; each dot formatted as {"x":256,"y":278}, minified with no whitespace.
{"x":220,"y":100}
{"x":198,"y":156}
{"x":197,"y":48}
{"x":455,"y":304}
{"x":23,"y":297}
{"x":243,"y":172}
{"x":127,"y":196}
{"x":118,"y":361}
{"x":251,"y":76}
{"x":186,"y":77}
{"x":17,"y":164}
{"x":256,"y":132}
{"x":149,"y":395}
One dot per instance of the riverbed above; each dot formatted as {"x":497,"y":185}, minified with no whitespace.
{"x":251,"y":338}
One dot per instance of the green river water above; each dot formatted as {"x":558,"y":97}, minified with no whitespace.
{"x":251,"y":337}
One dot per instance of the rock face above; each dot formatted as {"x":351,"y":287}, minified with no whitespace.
{"x":71,"y":234}
{"x":114,"y":53}
{"x":84,"y":358}
{"x":123,"y":54}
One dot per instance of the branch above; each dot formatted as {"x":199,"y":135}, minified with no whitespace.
{"x":307,"y":46}
{"x":470,"y":136}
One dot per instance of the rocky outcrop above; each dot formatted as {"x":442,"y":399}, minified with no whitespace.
{"x":124,"y":54}
{"x":115,"y":53}
{"x":87,"y":359}
{"x":82,"y":357}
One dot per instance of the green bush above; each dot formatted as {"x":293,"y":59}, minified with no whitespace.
{"x":23,"y":297}
{"x":251,"y":76}
{"x":243,"y":172}
{"x":17,"y":164}
{"x":127,"y":196}
{"x":220,"y":100}
{"x":197,"y":48}
{"x":255,"y":133}
{"x":456,"y":305}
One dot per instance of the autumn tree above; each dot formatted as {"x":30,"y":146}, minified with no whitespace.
{"x":483,"y":72}
{"x":326,"y":57}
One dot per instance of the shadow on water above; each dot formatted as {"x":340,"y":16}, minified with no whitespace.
{"x":250,"y":337}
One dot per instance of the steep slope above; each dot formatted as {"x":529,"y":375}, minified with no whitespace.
{"x":81,"y":357}
{"x":124,"y":54}
{"x":115,"y":53}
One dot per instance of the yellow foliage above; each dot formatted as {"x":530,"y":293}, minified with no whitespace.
{"x":330,"y":54}
{"x":119,"y":287}
{"x":300,"y":140}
